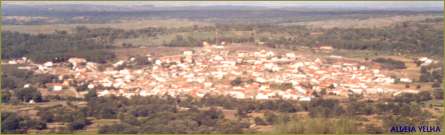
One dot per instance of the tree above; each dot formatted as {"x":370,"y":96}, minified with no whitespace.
{"x":285,"y":106}
{"x":270,"y":117}
{"x":323,"y":91}
{"x":27,"y":94}
{"x":406,"y":98}
{"x":13,"y":123}
{"x":118,"y":128}
{"x":10,"y":122}
{"x":372,"y":129}
{"x":418,"y":86}
{"x":423,"y":96}
{"x":8,"y":83}
{"x":130,"y":119}
{"x":6,"y":96}
{"x":438,"y":93}
{"x":260,"y":121}
{"x":39,"y":125}
{"x":77,"y":124}
{"x":236,"y":82}
{"x":142,"y":60}
{"x":436,"y":85}
{"x":210,"y":117}
{"x":390,"y":63}
{"x":45,"y":115}
{"x":32,"y":123}
{"x":325,"y":108}
{"x":91,"y":95}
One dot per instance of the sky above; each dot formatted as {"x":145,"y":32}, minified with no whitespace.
{"x":437,"y":5}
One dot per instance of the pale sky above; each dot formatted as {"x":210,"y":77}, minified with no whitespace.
{"x":375,"y":4}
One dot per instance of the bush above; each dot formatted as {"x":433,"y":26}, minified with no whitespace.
{"x":13,"y":123}
{"x":6,"y":96}
{"x":77,"y":124}
{"x":270,"y":117}
{"x":45,"y":115}
{"x":236,"y":82}
{"x":390,"y":63}
{"x":118,"y":129}
{"x":325,"y":108}
{"x":438,"y":93}
{"x":260,"y":121}
{"x":27,"y":94}
{"x":10,"y":122}
{"x":371,"y":129}
{"x":423,"y":96}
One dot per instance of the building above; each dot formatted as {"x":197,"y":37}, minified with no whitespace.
{"x":54,"y":86}
{"x":323,"y":48}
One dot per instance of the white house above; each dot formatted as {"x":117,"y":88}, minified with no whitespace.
{"x":406,"y":80}
{"x":237,"y":94}
{"x":304,"y":98}
{"x":261,"y":96}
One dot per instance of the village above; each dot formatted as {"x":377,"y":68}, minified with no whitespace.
{"x":213,"y":70}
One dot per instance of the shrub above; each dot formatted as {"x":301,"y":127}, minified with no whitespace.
{"x":390,"y":63}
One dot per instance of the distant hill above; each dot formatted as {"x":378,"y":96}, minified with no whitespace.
{"x":70,"y":13}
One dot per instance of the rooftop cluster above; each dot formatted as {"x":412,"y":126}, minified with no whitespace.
{"x":215,"y":70}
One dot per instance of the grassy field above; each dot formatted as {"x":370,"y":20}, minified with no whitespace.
{"x":124,"y":24}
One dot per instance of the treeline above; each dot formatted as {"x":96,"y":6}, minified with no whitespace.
{"x":45,"y":47}
{"x":390,"y":63}
{"x":108,"y":35}
{"x":408,"y":37}
{"x":92,"y":44}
